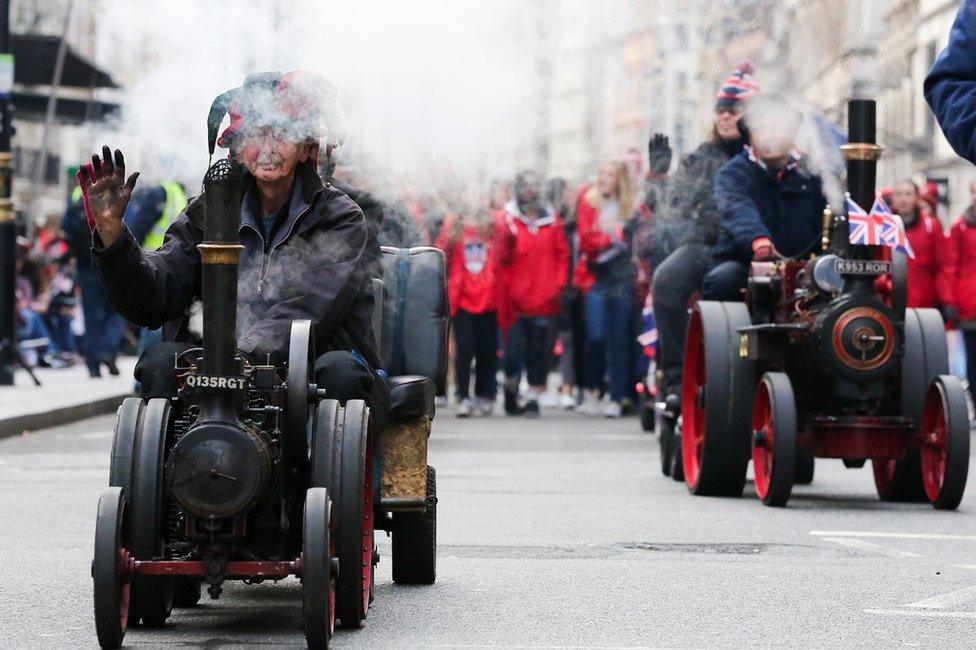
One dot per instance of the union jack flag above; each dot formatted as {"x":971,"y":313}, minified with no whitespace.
{"x":865,"y":229}
{"x":893,"y":233}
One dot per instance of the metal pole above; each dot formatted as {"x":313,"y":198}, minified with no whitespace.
{"x":8,"y":231}
{"x":37,"y":178}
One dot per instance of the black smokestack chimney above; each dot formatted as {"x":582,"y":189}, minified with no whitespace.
{"x":862,"y":151}
{"x":223,"y":189}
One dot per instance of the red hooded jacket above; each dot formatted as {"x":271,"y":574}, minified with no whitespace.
{"x":961,"y":264}
{"x":533,"y":259}
{"x":471,"y":268}
{"x":930,"y":283}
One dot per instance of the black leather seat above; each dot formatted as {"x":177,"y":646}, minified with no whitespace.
{"x":412,"y":396}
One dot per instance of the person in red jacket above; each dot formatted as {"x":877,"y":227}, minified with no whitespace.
{"x":606,"y":216}
{"x":961,"y":268}
{"x":929,"y":282}
{"x":473,"y":297}
{"x":533,"y":259}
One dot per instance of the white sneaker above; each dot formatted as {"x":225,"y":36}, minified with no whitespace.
{"x":464,"y":408}
{"x":567,"y":402}
{"x":484,"y":406}
{"x":612,"y":410}
{"x":591,"y":402}
{"x":548,"y":400}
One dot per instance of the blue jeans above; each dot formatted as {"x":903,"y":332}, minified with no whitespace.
{"x":63,"y":337}
{"x":725,"y":281}
{"x":609,"y":339}
{"x":104,"y":326}
{"x":34,"y":328}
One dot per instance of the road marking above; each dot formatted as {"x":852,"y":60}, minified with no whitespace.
{"x":868,"y":546}
{"x":918,"y":613}
{"x":951,"y":599}
{"x":859,"y":533}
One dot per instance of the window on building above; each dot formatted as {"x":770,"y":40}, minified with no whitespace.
{"x":25,"y":160}
{"x":931,"y":51}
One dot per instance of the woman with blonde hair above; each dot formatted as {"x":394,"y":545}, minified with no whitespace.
{"x":606,"y":219}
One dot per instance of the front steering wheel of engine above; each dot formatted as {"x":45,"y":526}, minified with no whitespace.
{"x":301,"y":365}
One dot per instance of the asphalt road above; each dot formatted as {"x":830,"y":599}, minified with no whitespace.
{"x":559,"y":532}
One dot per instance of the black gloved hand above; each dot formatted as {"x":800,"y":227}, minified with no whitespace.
{"x":659,"y":154}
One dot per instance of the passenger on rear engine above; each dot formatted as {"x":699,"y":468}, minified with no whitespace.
{"x":305,"y":255}
{"x":770,"y":205}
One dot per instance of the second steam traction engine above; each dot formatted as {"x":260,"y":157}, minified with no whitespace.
{"x":824,"y":360}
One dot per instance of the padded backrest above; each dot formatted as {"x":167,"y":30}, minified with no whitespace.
{"x":379,"y":306}
{"x":416,"y":313}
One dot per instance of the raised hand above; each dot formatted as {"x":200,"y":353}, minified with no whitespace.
{"x":659,"y":154}
{"x":106,"y":193}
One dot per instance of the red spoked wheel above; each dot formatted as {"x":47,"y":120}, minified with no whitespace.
{"x":354,"y":516}
{"x":111,"y":569}
{"x":926,"y":357}
{"x":318,"y":569}
{"x":774,"y":439}
{"x":717,"y":394}
{"x":945,"y":443}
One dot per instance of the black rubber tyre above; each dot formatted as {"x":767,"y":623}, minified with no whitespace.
{"x":926,"y":357}
{"x":110,"y":585}
{"x":326,"y":432}
{"x":677,"y":462}
{"x":318,"y":579}
{"x":647,"y":415}
{"x":945,"y":444}
{"x":186,"y":591}
{"x":665,"y":441}
{"x":716,"y":401}
{"x":298,"y":403}
{"x":415,"y":540}
{"x":774,"y":451}
{"x":127,"y":421}
{"x":803,"y":473}
{"x":353,"y":510}
{"x":153,"y":595}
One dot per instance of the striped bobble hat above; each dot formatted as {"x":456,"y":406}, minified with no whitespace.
{"x":739,"y":87}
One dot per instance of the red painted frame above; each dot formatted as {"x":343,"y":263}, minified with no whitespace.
{"x":858,"y":437}
{"x":274,"y":570}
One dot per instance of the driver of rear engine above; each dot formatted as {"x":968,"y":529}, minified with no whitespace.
{"x":306,"y":248}
{"x":770,"y":205}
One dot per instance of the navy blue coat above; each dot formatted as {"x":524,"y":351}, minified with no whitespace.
{"x":950,"y":88}
{"x":753,"y":203}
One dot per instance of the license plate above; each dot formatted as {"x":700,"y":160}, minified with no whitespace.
{"x":863,"y":267}
{"x":213,"y":381}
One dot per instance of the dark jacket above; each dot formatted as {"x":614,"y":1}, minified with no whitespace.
{"x":315,"y":268}
{"x":74,"y":224}
{"x":373,"y":210}
{"x":688,"y":212}
{"x":754,"y":202}
{"x":950,"y":87}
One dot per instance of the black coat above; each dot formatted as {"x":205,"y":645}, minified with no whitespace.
{"x":315,"y":267}
{"x":755,"y":202}
{"x":688,"y":212}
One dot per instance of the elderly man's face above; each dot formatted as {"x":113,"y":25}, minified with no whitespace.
{"x":270,"y":159}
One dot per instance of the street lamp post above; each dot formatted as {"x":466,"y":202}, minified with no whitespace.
{"x":8,"y":232}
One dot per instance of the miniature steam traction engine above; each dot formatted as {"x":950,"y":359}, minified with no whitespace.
{"x":252,"y":473}
{"x":823,"y":359}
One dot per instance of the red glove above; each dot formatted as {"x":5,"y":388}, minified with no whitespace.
{"x":762,"y":250}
